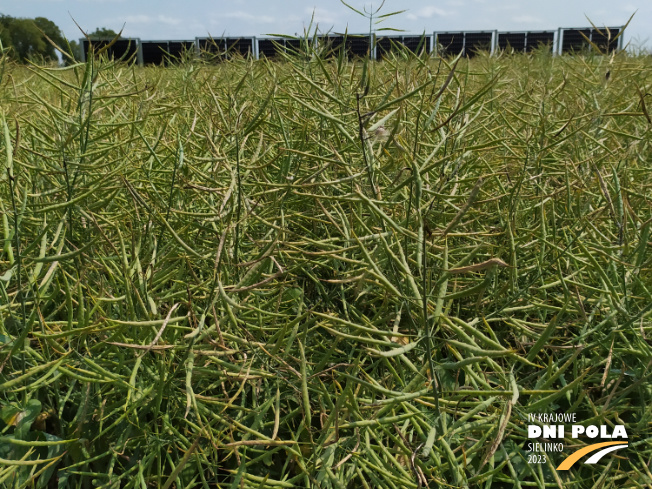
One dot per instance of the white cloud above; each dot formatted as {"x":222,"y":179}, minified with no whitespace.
{"x":138,"y":19}
{"x":247,"y":17}
{"x":428,"y":12}
{"x":148,"y":19}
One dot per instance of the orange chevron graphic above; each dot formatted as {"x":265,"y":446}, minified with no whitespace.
{"x":574,"y":457}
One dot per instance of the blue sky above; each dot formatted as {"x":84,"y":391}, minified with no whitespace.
{"x":169,"y":19}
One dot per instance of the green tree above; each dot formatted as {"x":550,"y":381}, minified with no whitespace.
{"x":75,"y":51}
{"x":103,"y":33}
{"x":28,"y":38}
{"x":5,"y":37}
{"x":52,"y":31}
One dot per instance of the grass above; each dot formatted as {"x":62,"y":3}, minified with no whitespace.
{"x":323,"y":274}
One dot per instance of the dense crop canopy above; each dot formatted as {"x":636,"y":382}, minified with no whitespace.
{"x":322,"y":273}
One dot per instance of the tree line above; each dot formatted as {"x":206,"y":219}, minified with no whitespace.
{"x":32,"y":39}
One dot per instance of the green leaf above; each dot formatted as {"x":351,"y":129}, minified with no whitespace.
{"x":53,"y":451}
{"x":26,"y":417}
{"x":384,"y":16}
{"x":352,"y":8}
{"x":8,"y":414}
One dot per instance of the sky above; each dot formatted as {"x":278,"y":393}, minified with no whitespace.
{"x":171,"y":19}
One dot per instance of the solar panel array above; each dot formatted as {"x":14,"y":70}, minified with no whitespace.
{"x":272,"y":47}
{"x":537,"y":39}
{"x":449,"y":43}
{"x":269,"y":48}
{"x":466,"y":43}
{"x":160,"y":52}
{"x":225,"y":47}
{"x":578,"y":40}
{"x":414,"y":44}
{"x":354,"y":46}
{"x":512,"y":40}
{"x":120,"y":49}
{"x":526,"y":42}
